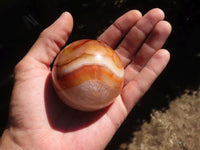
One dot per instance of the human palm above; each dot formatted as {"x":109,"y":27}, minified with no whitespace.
{"x":39,"y":120}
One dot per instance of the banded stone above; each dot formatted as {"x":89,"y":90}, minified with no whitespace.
{"x":88,"y":75}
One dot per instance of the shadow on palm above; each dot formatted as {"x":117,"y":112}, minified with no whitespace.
{"x":64,"y":118}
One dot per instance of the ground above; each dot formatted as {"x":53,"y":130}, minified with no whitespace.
{"x":176,"y":128}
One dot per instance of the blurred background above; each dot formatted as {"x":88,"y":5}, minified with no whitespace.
{"x":23,"y":20}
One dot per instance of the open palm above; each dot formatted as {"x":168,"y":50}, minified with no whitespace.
{"x":38,"y":120}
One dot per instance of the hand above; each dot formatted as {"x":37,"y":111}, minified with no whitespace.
{"x":38,"y":120}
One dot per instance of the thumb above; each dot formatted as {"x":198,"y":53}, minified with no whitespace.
{"x":51,"y":40}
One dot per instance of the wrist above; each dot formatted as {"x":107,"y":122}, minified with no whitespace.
{"x":8,"y":142}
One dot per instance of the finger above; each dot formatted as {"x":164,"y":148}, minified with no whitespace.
{"x":119,"y":28}
{"x":52,"y":39}
{"x":154,"y":42}
{"x":136,"y":88}
{"x":136,"y":36}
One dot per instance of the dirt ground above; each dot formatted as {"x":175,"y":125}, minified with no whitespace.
{"x":177,"y":128}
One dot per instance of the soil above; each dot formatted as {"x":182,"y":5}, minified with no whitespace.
{"x":176,"y":128}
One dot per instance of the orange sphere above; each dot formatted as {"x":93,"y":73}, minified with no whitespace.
{"x":87,"y":75}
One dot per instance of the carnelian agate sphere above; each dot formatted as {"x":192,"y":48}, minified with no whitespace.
{"x":87,"y":75}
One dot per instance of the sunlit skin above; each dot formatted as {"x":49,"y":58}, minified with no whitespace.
{"x":38,"y":120}
{"x":90,"y":68}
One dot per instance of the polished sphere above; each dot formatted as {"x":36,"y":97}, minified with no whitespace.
{"x":87,"y":75}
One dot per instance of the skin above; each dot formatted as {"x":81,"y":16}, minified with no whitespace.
{"x":38,"y":120}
